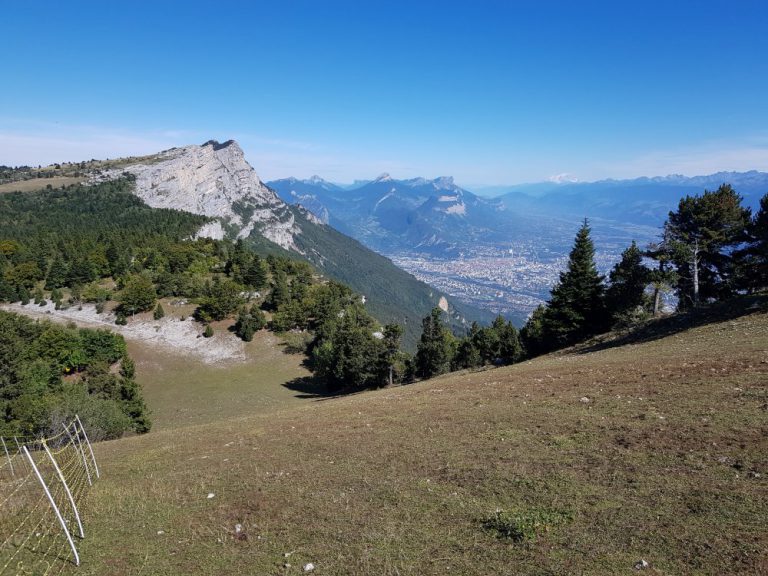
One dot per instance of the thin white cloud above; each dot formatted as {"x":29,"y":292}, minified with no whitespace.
{"x":33,"y":143}
{"x":708,"y":158}
{"x":563,"y":178}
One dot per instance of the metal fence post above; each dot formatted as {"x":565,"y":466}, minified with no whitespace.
{"x":66,"y":489}
{"x":53,"y":505}
{"x":10,"y":463}
{"x":79,"y":447}
{"x":95,"y":466}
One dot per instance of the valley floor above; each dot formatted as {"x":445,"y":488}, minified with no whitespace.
{"x":655,"y":451}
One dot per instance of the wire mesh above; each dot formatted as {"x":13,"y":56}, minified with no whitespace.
{"x":43,"y":484}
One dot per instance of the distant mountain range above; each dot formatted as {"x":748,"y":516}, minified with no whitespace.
{"x":637,"y":201}
{"x":429,"y":216}
{"x":502,"y":253}
{"x":439,"y":218}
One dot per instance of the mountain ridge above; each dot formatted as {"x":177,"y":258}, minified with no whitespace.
{"x":215,"y":180}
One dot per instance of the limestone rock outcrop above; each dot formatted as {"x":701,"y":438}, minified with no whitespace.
{"x":213,"y":180}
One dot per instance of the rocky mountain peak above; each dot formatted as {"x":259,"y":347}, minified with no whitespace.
{"x":443,"y":182}
{"x":214,"y":180}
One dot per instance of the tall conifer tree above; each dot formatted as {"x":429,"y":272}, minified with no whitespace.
{"x":435,"y":348}
{"x":576,"y":309}
{"x":628,"y":280}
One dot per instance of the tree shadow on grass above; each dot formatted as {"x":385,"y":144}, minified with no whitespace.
{"x":313,"y":388}
{"x":677,"y":323}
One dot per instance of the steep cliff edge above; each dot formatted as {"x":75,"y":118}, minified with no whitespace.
{"x":214,"y":180}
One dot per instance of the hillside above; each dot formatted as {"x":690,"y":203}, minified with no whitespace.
{"x":215,"y":180}
{"x":609,"y":455}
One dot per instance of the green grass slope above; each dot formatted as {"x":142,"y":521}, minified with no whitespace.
{"x":589,"y":460}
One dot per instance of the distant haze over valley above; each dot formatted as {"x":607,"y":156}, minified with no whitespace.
{"x":503,"y":250}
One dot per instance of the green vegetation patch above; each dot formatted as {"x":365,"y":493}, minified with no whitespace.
{"x":52,"y":372}
{"x":524,"y":526}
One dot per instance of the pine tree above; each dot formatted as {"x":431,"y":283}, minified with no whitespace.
{"x":57,"y":274}
{"x":509,"y":350}
{"x":753,"y":265}
{"x":281,"y":294}
{"x":346,"y":355}
{"x":159,"y":312}
{"x":704,"y":230}
{"x":664,"y":277}
{"x":391,"y":350}
{"x":532,"y":335}
{"x":23,"y":295}
{"x":628,"y":280}
{"x":435,"y":348}
{"x":39,"y":296}
{"x":256,"y":274}
{"x":468,"y":352}
{"x":576,"y":308}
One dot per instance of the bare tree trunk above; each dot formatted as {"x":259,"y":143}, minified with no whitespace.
{"x":696,"y":273}
{"x":656,"y":299}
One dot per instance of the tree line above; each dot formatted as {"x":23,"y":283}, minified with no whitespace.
{"x":98,"y":243}
{"x":711,"y":249}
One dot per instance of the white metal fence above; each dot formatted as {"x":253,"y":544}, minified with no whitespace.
{"x":43,"y":482}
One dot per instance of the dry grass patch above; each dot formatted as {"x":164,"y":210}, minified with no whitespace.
{"x":665,"y":460}
{"x":35,"y":184}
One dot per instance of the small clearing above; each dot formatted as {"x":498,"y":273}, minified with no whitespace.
{"x":172,"y":334}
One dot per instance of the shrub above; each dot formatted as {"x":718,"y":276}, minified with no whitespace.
{"x":297,"y":342}
{"x":249,"y":322}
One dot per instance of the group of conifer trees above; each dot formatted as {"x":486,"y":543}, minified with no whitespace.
{"x":711,"y":249}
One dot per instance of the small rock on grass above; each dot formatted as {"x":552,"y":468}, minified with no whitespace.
{"x":308,"y":567}
{"x":641,"y":565}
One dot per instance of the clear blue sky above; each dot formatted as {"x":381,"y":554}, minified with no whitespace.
{"x":489,"y":92}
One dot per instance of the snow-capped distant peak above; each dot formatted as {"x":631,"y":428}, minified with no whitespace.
{"x":564,"y":178}
{"x":384,"y":178}
{"x":315,"y":180}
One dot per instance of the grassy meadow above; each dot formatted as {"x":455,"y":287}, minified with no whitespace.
{"x":182,"y":391}
{"x":35,"y":184}
{"x":582,"y":462}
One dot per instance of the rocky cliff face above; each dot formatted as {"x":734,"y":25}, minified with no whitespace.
{"x":214,"y":180}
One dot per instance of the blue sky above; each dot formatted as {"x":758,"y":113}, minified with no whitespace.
{"x":489,"y":92}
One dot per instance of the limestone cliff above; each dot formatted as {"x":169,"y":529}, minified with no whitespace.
{"x":214,"y":180}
